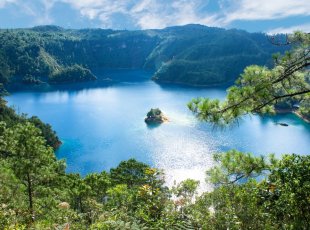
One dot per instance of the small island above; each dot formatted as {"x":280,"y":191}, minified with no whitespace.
{"x":155,"y":116}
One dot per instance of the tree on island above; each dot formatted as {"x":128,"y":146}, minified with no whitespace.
{"x":259,"y":89}
{"x":155,"y":116}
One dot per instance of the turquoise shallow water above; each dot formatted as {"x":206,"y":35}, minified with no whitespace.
{"x":102,"y":123}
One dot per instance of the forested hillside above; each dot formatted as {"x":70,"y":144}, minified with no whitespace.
{"x":11,"y":118}
{"x":192,"y":54}
{"x":199,"y":55}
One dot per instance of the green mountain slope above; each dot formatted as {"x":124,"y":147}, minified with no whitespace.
{"x":192,"y":54}
{"x":208,"y":56}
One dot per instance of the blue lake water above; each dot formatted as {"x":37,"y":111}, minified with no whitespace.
{"x":102,"y":123}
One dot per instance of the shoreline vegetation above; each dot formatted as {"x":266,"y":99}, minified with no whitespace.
{"x":295,"y":112}
{"x":10,"y":117}
{"x":303,"y":117}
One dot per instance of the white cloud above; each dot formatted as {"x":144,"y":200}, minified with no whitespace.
{"x":37,"y":9}
{"x":147,"y":14}
{"x":43,"y":15}
{"x":288,"y":30}
{"x":152,"y":14}
{"x":100,"y":9}
{"x":263,"y":9}
{"x":141,"y":6}
{"x":3,"y":3}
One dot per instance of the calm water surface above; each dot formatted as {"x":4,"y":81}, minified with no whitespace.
{"x":102,"y":123}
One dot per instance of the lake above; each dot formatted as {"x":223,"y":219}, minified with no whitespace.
{"x":102,"y":123}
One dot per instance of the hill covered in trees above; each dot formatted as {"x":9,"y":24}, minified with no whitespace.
{"x":192,"y":54}
{"x":11,"y":118}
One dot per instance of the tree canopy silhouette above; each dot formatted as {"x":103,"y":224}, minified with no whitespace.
{"x":259,"y":88}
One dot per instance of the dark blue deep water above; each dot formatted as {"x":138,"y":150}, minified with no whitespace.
{"x":102,"y":123}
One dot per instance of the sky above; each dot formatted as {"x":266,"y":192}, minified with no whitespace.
{"x":269,"y":16}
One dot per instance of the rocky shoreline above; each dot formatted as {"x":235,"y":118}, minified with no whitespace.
{"x":282,"y":111}
{"x":302,"y":116}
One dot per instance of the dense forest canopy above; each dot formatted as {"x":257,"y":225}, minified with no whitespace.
{"x":192,"y":54}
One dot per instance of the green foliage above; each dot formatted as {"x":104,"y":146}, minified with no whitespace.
{"x":75,"y":73}
{"x":120,"y":196}
{"x":46,"y":131}
{"x":187,"y":189}
{"x":9,"y":116}
{"x":304,"y":108}
{"x":35,"y":168}
{"x":154,"y":113}
{"x":155,"y":116}
{"x":202,"y":56}
{"x":34,"y":164}
{"x":234,"y":166}
{"x":287,"y":193}
{"x":99,"y":184}
{"x":59,"y":54}
{"x":28,"y":79}
{"x":129,"y":172}
{"x":118,"y":225}
{"x":5,"y":71}
{"x":277,"y":200}
{"x":12,"y":196}
{"x":3,"y":91}
{"x":259,"y":89}
{"x":231,"y":207}
{"x":193,"y":54}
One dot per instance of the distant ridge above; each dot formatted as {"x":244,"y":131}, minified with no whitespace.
{"x":191,"y":54}
{"x":47,"y":28}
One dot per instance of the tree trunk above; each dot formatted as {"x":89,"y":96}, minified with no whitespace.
{"x":30,"y":196}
